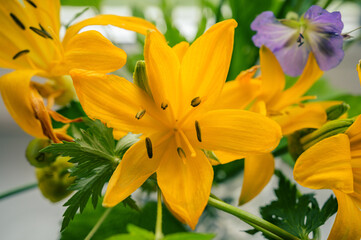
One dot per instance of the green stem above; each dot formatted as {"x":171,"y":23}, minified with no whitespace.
{"x":158,"y":225}
{"x":18,"y":190}
{"x":97,"y":225}
{"x":252,"y":220}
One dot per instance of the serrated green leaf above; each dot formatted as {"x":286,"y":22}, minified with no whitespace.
{"x":126,"y":142}
{"x":189,"y":236}
{"x":296,"y":213}
{"x":95,"y":157}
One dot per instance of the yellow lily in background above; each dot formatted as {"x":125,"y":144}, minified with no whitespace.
{"x":176,"y":118}
{"x":265,"y":94}
{"x":334,"y":163}
{"x":30,"y":42}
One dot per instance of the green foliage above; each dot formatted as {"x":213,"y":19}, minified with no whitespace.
{"x":137,"y":233}
{"x":95,"y":156}
{"x":91,"y":3}
{"x":223,"y":172}
{"x":119,"y":222}
{"x":296,"y":213}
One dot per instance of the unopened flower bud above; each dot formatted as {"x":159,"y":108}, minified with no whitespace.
{"x":329,"y":129}
{"x":35,"y":157}
{"x":336,"y":111}
{"x":55,"y":179}
{"x":140,"y":77}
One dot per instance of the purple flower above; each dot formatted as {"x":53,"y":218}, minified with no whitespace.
{"x":317,"y":31}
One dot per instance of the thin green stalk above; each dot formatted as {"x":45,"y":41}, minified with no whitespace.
{"x":251,"y":219}
{"x":97,"y":225}
{"x":158,"y":225}
{"x":18,"y":190}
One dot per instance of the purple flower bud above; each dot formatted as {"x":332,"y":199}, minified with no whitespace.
{"x":318,"y":31}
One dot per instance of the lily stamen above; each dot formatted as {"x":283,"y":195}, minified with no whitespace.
{"x":140,"y":114}
{"x":17,"y":21}
{"x":148,"y":145}
{"x":31,"y":3}
{"x":198,"y":131}
{"x":22,"y":52}
{"x":196,"y":101}
{"x":189,"y":145}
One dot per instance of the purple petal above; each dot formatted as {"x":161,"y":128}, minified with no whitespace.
{"x":327,"y":50}
{"x":326,"y":22}
{"x":293,"y":58}
{"x":271,"y":32}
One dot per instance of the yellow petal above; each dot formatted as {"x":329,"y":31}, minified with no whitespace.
{"x":240,"y":92}
{"x":135,"y":167}
{"x":237,"y":131}
{"x":348,"y":219}
{"x":354,"y":132}
{"x":226,"y":157}
{"x":359,"y":69}
{"x":356,"y":195}
{"x":309,"y":76}
{"x":326,"y":165}
{"x":91,"y":51}
{"x":206,"y":63}
{"x":180,"y":49}
{"x":186,"y":185}
{"x":129,"y":23}
{"x":117,"y":102}
{"x":297,"y":117}
{"x":15,"y":91}
{"x":258,"y":170}
{"x":272,"y":76}
{"x":162,"y":66}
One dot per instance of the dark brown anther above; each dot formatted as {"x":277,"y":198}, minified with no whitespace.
{"x":20,"y":53}
{"x":148,"y":145}
{"x":181,"y":153}
{"x":196,"y":101}
{"x":140,"y":114}
{"x":17,"y":21}
{"x":198,"y":130}
{"x":164,"y":105}
{"x":32,"y":3}
{"x":41,"y":32}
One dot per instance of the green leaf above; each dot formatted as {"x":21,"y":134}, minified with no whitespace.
{"x":189,"y":236}
{"x":135,"y":233}
{"x":95,"y":157}
{"x":296,"y":213}
{"x":120,"y":222}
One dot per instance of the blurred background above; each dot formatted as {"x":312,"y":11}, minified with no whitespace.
{"x":29,"y":215}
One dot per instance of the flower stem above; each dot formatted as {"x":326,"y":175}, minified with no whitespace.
{"x":259,"y":223}
{"x":18,"y":190}
{"x":158,"y":224}
{"x":97,"y":225}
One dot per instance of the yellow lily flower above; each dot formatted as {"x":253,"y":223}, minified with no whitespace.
{"x":265,"y":94}
{"x":176,"y":118}
{"x":30,"y":42}
{"x":334,"y":163}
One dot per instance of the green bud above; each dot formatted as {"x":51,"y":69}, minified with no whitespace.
{"x":211,"y":155}
{"x":295,"y":147}
{"x":37,"y":158}
{"x":140,"y":76}
{"x":292,"y":16}
{"x":55,"y":179}
{"x":336,"y":111}
{"x":329,"y":129}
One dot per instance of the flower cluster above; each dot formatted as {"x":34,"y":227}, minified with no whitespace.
{"x":180,"y":118}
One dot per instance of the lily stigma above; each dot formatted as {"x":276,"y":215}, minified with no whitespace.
{"x":175,"y":114}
